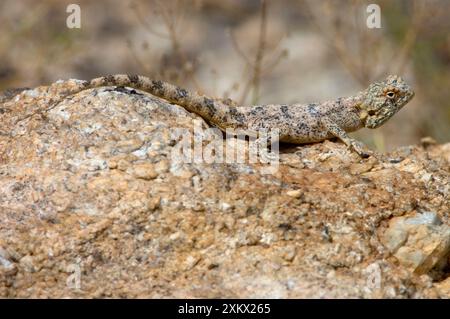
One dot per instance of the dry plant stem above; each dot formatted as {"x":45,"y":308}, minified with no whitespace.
{"x":247,"y":67}
{"x":418,"y":15}
{"x":138,"y":60}
{"x":172,"y":14}
{"x":334,"y":35}
{"x":144,"y":22}
{"x":172,"y":17}
{"x":362,"y":61}
{"x":257,"y":65}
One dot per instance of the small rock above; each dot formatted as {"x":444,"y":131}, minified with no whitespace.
{"x":294,"y":193}
{"x":162,"y":166}
{"x":289,"y":253}
{"x":122,"y":164}
{"x":420,"y":243}
{"x":426,"y":177}
{"x":427,"y":141}
{"x":444,"y":287}
{"x":144,"y":171}
{"x":191,"y":261}
{"x":129,"y":146}
{"x":394,"y":238}
{"x":27,"y":263}
{"x":430,"y":218}
{"x":360,"y":168}
{"x":112,"y":164}
{"x":5,"y":261}
{"x":225,"y":207}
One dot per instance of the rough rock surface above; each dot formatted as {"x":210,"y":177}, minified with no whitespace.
{"x":421,"y":243}
{"x":92,"y":205}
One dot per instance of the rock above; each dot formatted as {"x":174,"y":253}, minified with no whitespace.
{"x":162,"y":167}
{"x":190,"y":262}
{"x":425,"y":218}
{"x":225,"y":207}
{"x":5,"y":263}
{"x":92,"y":190}
{"x":360,"y":168}
{"x":27,"y":263}
{"x":420,"y":242}
{"x":294,"y":193}
{"x":444,"y":287}
{"x":128,"y":146}
{"x":144,"y":171}
{"x":427,"y":141}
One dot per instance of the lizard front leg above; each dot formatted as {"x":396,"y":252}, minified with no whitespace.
{"x":338,"y":132}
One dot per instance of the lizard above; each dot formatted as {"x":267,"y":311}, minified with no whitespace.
{"x":296,"y":123}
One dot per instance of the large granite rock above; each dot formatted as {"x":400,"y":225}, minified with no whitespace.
{"x":93,"y":205}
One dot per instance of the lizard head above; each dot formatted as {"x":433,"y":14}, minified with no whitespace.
{"x":383,"y":99}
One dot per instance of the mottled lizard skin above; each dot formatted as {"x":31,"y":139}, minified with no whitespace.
{"x":297,"y":123}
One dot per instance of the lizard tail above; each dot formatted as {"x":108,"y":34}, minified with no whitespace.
{"x":213,"y":111}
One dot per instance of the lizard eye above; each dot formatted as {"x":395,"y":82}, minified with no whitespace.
{"x":390,"y":95}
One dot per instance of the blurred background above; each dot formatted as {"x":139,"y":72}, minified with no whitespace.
{"x":253,"y":51}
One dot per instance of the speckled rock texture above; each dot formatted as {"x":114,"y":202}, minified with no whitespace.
{"x":92,"y":205}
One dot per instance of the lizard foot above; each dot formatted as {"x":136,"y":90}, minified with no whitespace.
{"x":360,"y":149}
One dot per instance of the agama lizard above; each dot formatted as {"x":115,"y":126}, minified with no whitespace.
{"x":296,"y":123}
